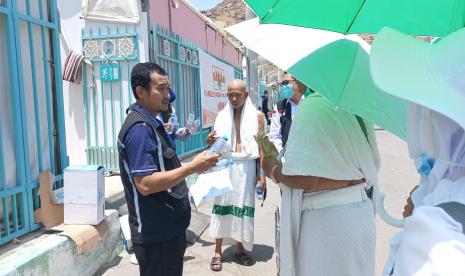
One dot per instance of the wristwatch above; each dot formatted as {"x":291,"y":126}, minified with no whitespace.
{"x":272,"y":174}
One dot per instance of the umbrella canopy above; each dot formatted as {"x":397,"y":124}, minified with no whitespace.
{"x":338,"y":71}
{"x":431,"y":75}
{"x":415,"y":17}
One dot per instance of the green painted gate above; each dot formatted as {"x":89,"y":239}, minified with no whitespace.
{"x":32,"y":136}
{"x":112,"y":51}
{"x":180,"y":59}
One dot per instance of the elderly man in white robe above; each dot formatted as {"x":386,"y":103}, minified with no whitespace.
{"x":233,"y":212}
{"x":330,"y":169}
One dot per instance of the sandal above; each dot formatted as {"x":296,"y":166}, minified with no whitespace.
{"x":216,"y":264}
{"x":243,"y":258}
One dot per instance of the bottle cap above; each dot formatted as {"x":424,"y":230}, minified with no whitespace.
{"x":224,"y":137}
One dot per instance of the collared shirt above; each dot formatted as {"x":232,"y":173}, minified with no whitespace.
{"x":141,"y":144}
{"x":275,"y":126}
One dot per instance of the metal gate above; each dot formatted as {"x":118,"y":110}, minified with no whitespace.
{"x":32,"y":137}
{"x":110,"y":52}
{"x":180,"y":59}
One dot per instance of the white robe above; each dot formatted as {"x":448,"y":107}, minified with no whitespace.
{"x":337,"y":240}
{"x":233,"y":212}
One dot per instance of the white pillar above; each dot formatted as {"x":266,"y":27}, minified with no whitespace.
{"x":252,"y":66}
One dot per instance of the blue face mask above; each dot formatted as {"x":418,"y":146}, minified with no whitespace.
{"x":286,"y":91}
{"x":424,"y":164}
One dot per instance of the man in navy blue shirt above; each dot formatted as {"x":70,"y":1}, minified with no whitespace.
{"x":153,"y":178}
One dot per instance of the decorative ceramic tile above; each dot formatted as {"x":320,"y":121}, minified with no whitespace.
{"x":166,"y":47}
{"x":125,"y":47}
{"x":108,"y":48}
{"x":91,"y":49}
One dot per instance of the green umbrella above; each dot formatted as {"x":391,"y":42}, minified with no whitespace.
{"x":414,"y":17}
{"x":340,"y":72}
{"x":335,"y":67}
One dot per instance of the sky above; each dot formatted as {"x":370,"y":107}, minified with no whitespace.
{"x":204,"y":4}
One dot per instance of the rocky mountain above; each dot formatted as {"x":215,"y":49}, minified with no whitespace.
{"x":227,"y":13}
{"x":230,"y":12}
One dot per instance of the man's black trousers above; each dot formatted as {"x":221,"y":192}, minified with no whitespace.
{"x":161,"y":259}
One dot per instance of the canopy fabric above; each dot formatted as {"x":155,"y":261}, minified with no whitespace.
{"x":414,"y":17}
{"x":339,"y":71}
{"x":432,"y":75}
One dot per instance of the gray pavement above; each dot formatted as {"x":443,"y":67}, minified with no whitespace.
{"x":397,"y":177}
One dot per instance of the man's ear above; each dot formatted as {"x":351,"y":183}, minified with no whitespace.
{"x":140,"y":91}
{"x":246,"y":94}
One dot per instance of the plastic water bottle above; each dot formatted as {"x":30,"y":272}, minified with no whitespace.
{"x":222,"y":164}
{"x":190,"y":124}
{"x":219,"y":146}
{"x":173,"y":121}
{"x":197,"y":124}
{"x":191,"y":118}
{"x":259,"y":193}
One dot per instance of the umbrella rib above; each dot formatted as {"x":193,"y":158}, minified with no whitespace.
{"x":355,"y":17}
{"x":346,"y":81}
{"x":269,"y":11}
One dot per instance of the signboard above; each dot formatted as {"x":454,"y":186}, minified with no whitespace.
{"x":214,"y":78}
{"x":109,"y":72}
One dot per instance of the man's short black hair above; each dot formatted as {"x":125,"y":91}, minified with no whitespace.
{"x":140,"y":75}
{"x":265,"y":92}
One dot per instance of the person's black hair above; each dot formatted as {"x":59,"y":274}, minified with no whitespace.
{"x":140,"y":75}
{"x":265,"y":92}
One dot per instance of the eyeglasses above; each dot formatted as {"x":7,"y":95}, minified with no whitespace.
{"x":234,"y":94}
{"x":286,"y":82}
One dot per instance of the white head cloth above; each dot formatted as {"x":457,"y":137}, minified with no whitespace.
{"x":432,"y":242}
{"x":440,"y":138}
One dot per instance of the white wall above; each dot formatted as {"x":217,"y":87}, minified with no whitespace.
{"x":71,"y":26}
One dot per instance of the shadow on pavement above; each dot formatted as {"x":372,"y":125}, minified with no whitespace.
{"x":203,"y":242}
{"x":188,"y":258}
{"x":260,"y":253}
{"x":113,"y":263}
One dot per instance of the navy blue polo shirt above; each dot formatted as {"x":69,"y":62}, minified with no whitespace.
{"x":141,"y":144}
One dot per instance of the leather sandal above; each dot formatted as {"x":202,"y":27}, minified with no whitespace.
{"x":216,"y":264}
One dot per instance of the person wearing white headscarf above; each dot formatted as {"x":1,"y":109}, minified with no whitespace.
{"x":327,"y":217}
{"x":432,"y":242}
{"x":431,"y":76}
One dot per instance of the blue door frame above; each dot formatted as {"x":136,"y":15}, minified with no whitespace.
{"x":34,"y":140}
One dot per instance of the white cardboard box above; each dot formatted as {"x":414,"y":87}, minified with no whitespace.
{"x":84,"y":194}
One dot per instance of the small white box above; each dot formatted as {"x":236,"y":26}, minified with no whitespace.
{"x":84,"y":194}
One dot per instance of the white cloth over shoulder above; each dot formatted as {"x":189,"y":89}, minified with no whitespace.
{"x":327,"y":142}
{"x":432,"y":243}
{"x":224,"y":125}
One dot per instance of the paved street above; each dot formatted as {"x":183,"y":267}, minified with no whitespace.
{"x":397,"y":176}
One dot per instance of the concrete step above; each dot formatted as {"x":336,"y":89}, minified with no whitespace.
{"x":52,"y":254}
